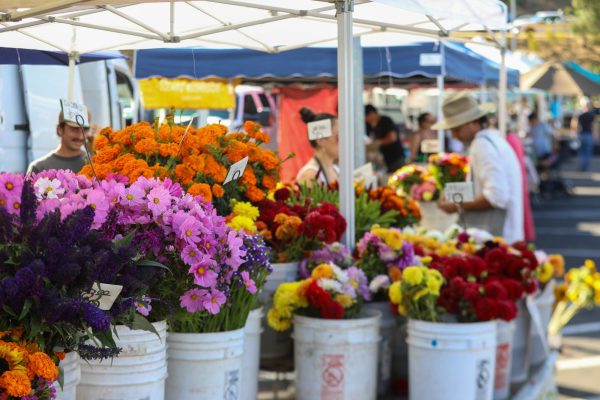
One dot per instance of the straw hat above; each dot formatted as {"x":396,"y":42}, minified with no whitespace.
{"x":460,"y":108}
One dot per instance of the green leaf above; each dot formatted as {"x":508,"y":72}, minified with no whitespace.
{"x":152,"y":263}
{"x":126,"y":241}
{"x":35,"y":326}
{"x":106,"y":339}
{"x":25,"y":310}
{"x":9,"y":310}
{"x":140,"y":322}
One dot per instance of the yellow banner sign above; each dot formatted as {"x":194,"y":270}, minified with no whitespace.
{"x":187,"y":93}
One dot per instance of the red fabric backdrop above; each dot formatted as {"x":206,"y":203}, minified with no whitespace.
{"x":292,"y":134}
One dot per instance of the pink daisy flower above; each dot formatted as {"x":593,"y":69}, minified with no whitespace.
{"x":158,"y":200}
{"x":132,"y":196}
{"x":203,"y":275}
{"x":193,"y":300}
{"x":235,"y":254}
{"x":189,"y":230}
{"x":100,"y":204}
{"x":214,"y":301}
{"x":191,"y":255}
{"x":11,"y":185}
{"x":144,"y":306}
{"x":249,"y":283}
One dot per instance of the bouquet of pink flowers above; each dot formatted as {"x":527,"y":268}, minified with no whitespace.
{"x":414,"y":181}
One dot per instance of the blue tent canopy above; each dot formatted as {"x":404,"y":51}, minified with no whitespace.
{"x":12,"y":56}
{"x":429,"y":59}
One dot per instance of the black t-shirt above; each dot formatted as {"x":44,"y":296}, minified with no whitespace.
{"x":393,"y":153}
{"x":586,"y":119}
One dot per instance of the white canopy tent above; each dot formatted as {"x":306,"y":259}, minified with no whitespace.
{"x":81,"y":26}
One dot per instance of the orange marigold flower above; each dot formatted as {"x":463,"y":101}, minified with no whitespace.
{"x":268,"y":182}
{"x":262,"y":137}
{"x":184,"y":174}
{"x":248,"y":178}
{"x":201,"y":189}
{"x":42,"y":366}
{"x":16,"y":383}
{"x":395,"y":274}
{"x":60,"y":355}
{"x":236,"y":150}
{"x":168,"y":149}
{"x":254,"y":194}
{"x":217,"y":190}
{"x":101,"y":142}
{"x":146,"y":146}
{"x":251,"y":127}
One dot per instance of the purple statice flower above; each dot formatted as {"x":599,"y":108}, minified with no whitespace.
{"x":89,"y":352}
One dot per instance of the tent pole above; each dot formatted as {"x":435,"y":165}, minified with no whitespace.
{"x":440,"y":87}
{"x":502,"y":88}
{"x":72,"y":56}
{"x":346,"y":115}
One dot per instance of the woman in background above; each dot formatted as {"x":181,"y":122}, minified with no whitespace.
{"x":425,"y":121}
{"x":322,"y":167}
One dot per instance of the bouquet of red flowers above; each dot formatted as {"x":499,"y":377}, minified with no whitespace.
{"x":448,"y":167}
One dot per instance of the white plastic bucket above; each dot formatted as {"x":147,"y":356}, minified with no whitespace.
{"x":504,"y":338}
{"x":336,"y":359}
{"x":520,"y":351}
{"x":274,"y":344}
{"x":250,"y":358}
{"x":138,"y":373}
{"x":386,"y":345}
{"x":400,"y":358}
{"x":539,"y":340}
{"x":432,"y":218}
{"x":204,"y":366}
{"x":451,"y":359}
{"x":72,"y":375}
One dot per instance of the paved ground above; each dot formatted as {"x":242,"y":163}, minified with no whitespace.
{"x":571,"y":226}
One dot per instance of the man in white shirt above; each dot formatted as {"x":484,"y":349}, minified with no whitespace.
{"x":495,"y":171}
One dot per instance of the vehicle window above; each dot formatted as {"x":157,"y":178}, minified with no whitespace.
{"x":126,"y":99}
{"x":249,"y":106}
{"x":264,"y":101}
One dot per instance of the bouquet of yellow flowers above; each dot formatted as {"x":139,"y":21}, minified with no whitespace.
{"x":416,"y":294}
{"x":197,"y":158}
{"x":580,"y":290}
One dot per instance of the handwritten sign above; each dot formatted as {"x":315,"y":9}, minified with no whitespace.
{"x":71,"y":110}
{"x":103,"y":295}
{"x":236,"y":171}
{"x":430,"y":146}
{"x":319,"y":129}
{"x":459,"y":192}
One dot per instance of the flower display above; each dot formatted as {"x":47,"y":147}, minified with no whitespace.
{"x":448,"y":167}
{"x":580,"y":290}
{"x":549,"y":266}
{"x":335,"y":253}
{"x":243,"y":217}
{"x":414,"y":181}
{"x":196,"y":158}
{"x":329,"y":293}
{"x":416,"y":294}
{"x":382,"y":253}
{"x":51,"y":263}
{"x":27,"y":372}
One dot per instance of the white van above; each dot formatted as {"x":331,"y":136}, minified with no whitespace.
{"x":29,"y":105}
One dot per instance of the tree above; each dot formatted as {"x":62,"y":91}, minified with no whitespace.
{"x":586,"y":18}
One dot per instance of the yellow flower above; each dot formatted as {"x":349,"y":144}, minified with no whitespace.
{"x":241,"y":222}
{"x":413,"y":275}
{"x":402,"y":310}
{"x":590,"y":265}
{"x":434,"y":281}
{"x":323,"y":271}
{"x":423,"y":292}
{"x":427,"y":196}
{"x":277,"y":322}
{"x":391,"y":237}
{"x":245,"y":209}
{"x":545,"y":272}
{"x":395,"y":292}
{"x":344,"y":299}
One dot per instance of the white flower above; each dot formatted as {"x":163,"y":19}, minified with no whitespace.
{"x":340,"y":274}
{"x":541,"y":256}
{"x":48,"y":188}
{"x":378,"y":283}
{"x":479,"y":235}
{"x":437,"y":235}
{"x":330,"y":285}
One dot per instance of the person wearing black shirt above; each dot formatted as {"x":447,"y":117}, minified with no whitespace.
{"x":585,"y":127}
{"x":382,"y":130}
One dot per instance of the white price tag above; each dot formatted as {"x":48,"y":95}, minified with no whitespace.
{"x":319,"y":129}
{"x":459,"y":192}
{"x":430,"y":59}
{"x":71,"y":110}
{"x":364,"y":172}
{"x":430,"y":146}
{"x":103,"y":294}
{"x":236,"y":171}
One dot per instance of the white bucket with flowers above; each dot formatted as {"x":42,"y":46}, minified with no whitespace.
{"x":335,"y":344}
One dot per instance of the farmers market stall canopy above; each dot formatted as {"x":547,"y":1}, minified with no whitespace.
{"x":427,"y":59}
{"x":264,"y":25}
{"x":40,"y":57}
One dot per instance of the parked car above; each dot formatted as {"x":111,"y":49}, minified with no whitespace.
{"x":538,"y":21}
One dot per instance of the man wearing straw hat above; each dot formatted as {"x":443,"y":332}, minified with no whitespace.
{"x":498,"y":203}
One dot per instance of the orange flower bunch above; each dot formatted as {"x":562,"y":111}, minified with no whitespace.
{"x":200,"y":164}
{"x":24,"y":366}
{"x":408,"y":209}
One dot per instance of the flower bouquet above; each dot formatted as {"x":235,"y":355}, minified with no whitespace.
{"x":414,"y":181}
{"x":198,"y":159}
{"x":335,"y":253}
{"x":448,"y":167}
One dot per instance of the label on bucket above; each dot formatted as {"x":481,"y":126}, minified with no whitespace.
{"x":232,"y":385}
{"x":332,"y":377}
{"x":502,"y":365}
{"x":483,"y":379}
